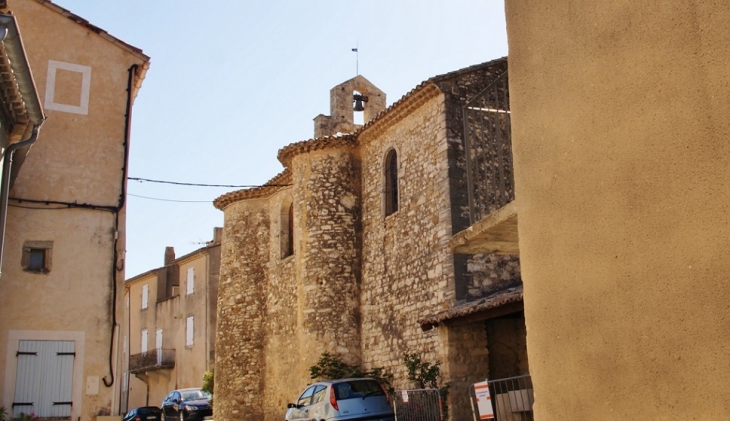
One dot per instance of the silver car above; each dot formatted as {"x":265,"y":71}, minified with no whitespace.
{"x":345,"y":399}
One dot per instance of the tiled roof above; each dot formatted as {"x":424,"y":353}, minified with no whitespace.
{"x":286,"y":153}
{"x":85,"y":23}
{"x":411,"y":100}
{"x":414,"y":93}
{"x":498,"y":299}
{"x":281,"y":180}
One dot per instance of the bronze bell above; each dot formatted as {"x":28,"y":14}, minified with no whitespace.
{"x":359,"y":99}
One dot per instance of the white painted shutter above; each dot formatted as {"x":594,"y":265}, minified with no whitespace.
{"x":189,"y":331}
{"x":190,"y":284}
{"x":158,"y":338}
{"x":143,"y":344}
{"x":145,"y":295}
{"x":44,"y":379}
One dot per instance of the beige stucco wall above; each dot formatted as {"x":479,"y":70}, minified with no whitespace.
{"x":170,"y":315}
{"x":620,"y":136}
{"x":78,"y":158}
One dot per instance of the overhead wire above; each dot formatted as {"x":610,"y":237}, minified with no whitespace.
{"x":180,"y":183}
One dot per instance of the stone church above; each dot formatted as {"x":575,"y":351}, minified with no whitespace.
{"x":346,"y":251}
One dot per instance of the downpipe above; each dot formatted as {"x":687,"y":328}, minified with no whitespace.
{"x":5,"y":187}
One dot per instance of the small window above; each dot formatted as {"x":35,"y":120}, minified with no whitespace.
{"x":391,"y":182}
{"x":189,"y":331}
{"x":190,"y":282}
{"x":287,"y":228}
{"x":37,"y":256}
{"x":145,"y":295}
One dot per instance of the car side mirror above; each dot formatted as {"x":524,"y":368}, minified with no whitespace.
{"x":291,"y":405}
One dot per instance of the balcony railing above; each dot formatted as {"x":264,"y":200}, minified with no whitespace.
{"x":156,"y":359}
{"x":488,"y":147}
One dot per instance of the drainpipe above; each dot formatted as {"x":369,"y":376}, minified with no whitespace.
{"x":10,"y":37}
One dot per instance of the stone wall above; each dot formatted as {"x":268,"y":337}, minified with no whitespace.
{"x":478,"y":275}
{"x":241,"y":316}
{"x":407,"y":266}
{"x":357,"y":281}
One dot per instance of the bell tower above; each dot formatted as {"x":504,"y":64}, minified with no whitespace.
{"x":347,"y":98}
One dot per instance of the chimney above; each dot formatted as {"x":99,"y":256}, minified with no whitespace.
{"x":217,"y":235}
{"x":169,"y":255}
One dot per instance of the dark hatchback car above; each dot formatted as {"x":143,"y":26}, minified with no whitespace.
{"x":187,"y":405}
{"x":145,"y":413}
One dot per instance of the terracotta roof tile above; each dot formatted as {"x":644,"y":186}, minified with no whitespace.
{"x":510,"y":295}
{"x":413,"y":99}
{"x":281,"y":180}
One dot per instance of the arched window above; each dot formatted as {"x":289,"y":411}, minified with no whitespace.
{"x":391,"y":182}
{"x":287,"y":228}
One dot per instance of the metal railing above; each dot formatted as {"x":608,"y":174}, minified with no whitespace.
{"x":156,"y":359}
{"x":512,"y":399}
{"x":488,"y":148}
{"x":418,"y":405}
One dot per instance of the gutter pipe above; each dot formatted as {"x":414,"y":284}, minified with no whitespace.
{"x":24,"y":78}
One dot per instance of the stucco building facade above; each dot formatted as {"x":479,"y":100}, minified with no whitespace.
{"x":621,"y":149}
{"x":61,"y":290}
{"x":169,"y":325}
{"x":348,"y":248}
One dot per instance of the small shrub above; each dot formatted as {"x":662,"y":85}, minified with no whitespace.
{"x":330,"y":367}
{"x":3,"y":414}
{"x":427,"y":374}
{"x":208,"y":381}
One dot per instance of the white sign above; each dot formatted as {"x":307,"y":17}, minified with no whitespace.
{"x":404,"y":396}
{"x":484,"y":401}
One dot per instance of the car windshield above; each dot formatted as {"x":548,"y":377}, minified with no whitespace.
{"x":191,"y":395}
{"x":357,"y":389}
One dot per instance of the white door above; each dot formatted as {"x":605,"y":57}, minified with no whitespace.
{"x":44,"y":378}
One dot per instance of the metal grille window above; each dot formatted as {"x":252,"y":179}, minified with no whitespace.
{"x":44,"y":379}
{"x":488,"y":147}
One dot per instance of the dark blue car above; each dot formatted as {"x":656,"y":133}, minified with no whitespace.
{"x":187,"y":405}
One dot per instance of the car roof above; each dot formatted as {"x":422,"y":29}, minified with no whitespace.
{"x":344,"y":380}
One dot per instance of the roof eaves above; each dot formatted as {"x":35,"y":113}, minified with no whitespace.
{"x":418,"y":95}
{"x":101,"y":32}
{"x":495,"y":300}
{"x":279,"y":182}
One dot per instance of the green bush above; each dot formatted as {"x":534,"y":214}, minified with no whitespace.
{"x":208,"y":381}
{"x":427,"y":374}
{"x":330,"y":367}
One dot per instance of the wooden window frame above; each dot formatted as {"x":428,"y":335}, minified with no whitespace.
{"x":31,"y":247}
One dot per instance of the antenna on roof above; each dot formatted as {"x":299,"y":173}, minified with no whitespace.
{"x":357,"y":60}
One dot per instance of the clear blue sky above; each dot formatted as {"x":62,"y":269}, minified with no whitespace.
{"x":233,"y":81}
